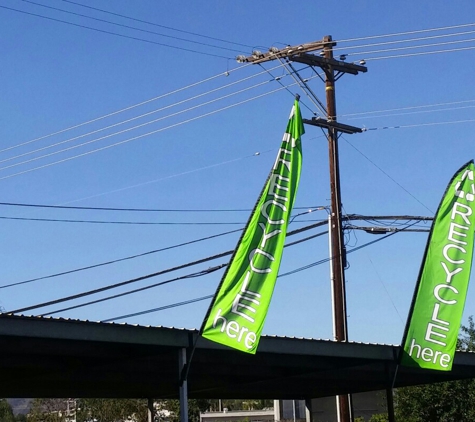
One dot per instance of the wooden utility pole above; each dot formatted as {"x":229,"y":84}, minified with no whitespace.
{"x":338,"y":252}
{"x":332,"y":69}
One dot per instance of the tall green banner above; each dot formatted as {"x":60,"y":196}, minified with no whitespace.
{"x":434,"y":321}
{"x":238,"y":311}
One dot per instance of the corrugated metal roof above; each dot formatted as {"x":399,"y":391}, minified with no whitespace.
{"x":58,"y":357}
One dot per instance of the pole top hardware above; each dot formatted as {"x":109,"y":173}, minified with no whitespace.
{"x":298,"y":53}
{"x":276,"y":53}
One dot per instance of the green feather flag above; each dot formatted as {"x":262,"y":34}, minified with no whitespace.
{"x":238,"y":311}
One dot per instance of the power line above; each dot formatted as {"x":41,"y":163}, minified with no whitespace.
{"x":394,"y":218}
{"x":198,"y":274}
{"x":115,"y":33}
{"x":302,"y":83}
{"x":131,"y":27}
{"x":119,"y":259}
{"x":134,"y":280}
{"x":377,"y":230}
{"x":306,"y":267}
{"x":138,"y":256}
{"x":135,"y":118}
{"x":219,"y":75}
{"x":145,"y":223}
{"x":420,"y":54}
{"x":161,"y":308}
{"x":145,"y":134}
{"x":158,"y":25}
{"x":450,"y":122}
{"x":406,"y":40}
{"x":168,"y":177}
{"x":124,"y":130}
{"x":174,"y":210}
{"x":411,"y":113}
{"x":219,"y":267}
{"x":278,"y":79}
{"x":406,"y":108}
{"x":419,"y":31}
{"x":411,"y":47}
{"x":387,"y":175}
{"x":116,"y":285}
{"x":386,"y":290}
{"x":141,"y":289}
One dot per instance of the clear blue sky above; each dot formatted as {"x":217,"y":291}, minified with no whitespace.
{"x":56,"y":75}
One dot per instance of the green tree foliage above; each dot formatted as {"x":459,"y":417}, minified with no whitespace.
{"x":380,"y":417}
{"x":195,"y":406}
{"x":48,"y":410}
{"x":112,"y":410}
{"x":101,"y":410}
{"x":467,"y":336}
{"x":452,"y":401}
{"x":6,"y":412}
{"x":241,"y":404}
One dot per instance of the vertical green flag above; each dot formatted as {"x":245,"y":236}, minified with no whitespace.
{"x":238,"y":311}
{"x":436,"y":312}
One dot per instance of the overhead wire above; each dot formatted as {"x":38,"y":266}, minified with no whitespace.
{"x":448,"y":122}
{"x":114,"y":261}
{"x":418,"y":31}
{"x":147,"y":210}
{"x":411,"y":47}
{"x":187,"y":172}
{"x":145,"y":134}
{"x":116,"y":34}
{"x":303,"y":268}
{"x":197,"y":274}
{"x":410,"y":125}
{"x":369,"y":229}
{"x":72,"y":139}
{"x":124,"y":130}
{"x":131,"y":27}
{"x":410,"y":113}
{"x":134,"y":280}
{"x":110,"y":135}
{"x":278,"y":80}
{"x":364,"y":113}
{"x":158,"y":25}
{"x":387,"y":175}
{"x":204,"y":272}
{"x":386,"y":290}
{"x":296,"y":231}
{"x":175,"y":104}
{"x":140,"y":289}
{"x":404,"y":40}
{"x":161,"y":308}
{"x":189,"y":86}
{"x":304,"y":87}
{"x":424,"y":53}
{"x":176,"y":91}
{"x":151,"y":223}
{"x":144,"y":223}
{"x":120,"y":284}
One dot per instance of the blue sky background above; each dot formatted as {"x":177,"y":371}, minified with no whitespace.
{"x":57,"y":75}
